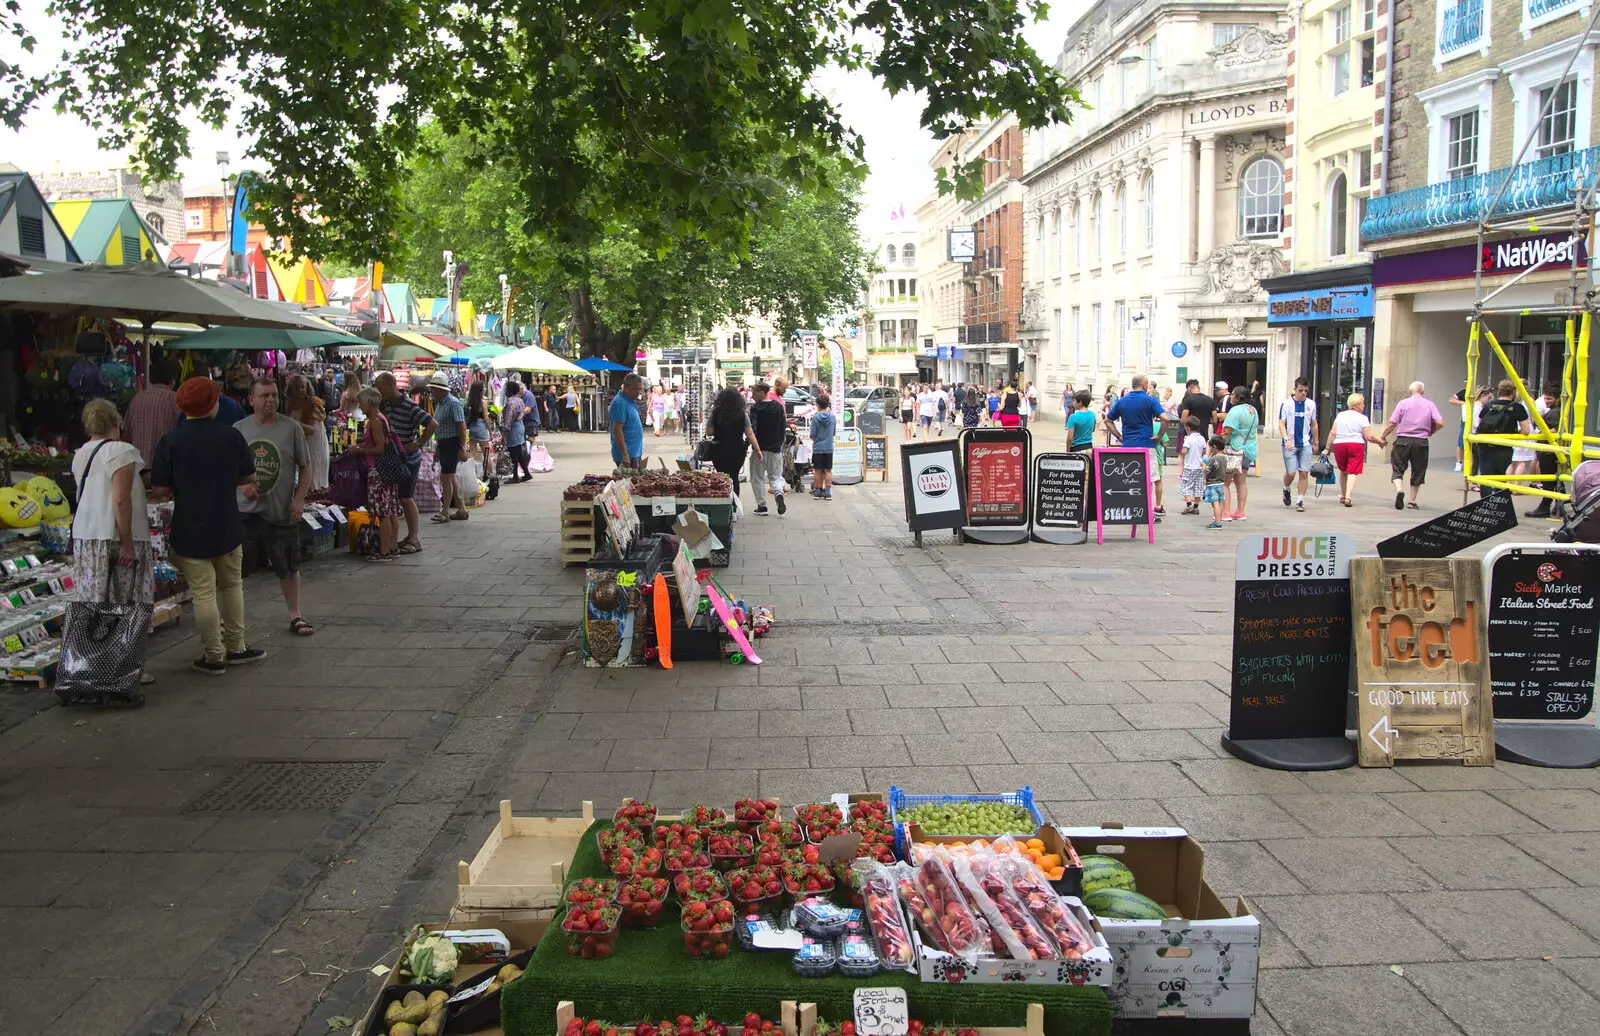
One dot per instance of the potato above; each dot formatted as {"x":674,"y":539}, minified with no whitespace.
{"x":434,"y":1026}
{"x":437,"y":999}
{"x":403,"y":1029}
{"x":414,"y":998}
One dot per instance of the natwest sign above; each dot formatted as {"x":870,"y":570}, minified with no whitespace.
{"x":1462,"y":261}
{"x":1513,"y":256}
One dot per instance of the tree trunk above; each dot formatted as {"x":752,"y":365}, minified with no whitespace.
{"x":597,"y":338}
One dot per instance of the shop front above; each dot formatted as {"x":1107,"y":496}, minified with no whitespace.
{"x":1424,"y":301}
{"x":734,"y":373}
{"x":1330,"y":312}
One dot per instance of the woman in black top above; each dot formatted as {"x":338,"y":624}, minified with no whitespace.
{"x":729,"y":430}
{"x":1011,"y":407}
{"x":478,"y":428}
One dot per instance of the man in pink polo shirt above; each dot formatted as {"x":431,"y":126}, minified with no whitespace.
{"x":1412,"y":421}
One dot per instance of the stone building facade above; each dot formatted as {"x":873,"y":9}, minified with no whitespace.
{"x":159,"y":203}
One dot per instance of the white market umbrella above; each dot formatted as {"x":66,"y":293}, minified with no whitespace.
{"x":537,"y":360}
{"x":145,"y":292}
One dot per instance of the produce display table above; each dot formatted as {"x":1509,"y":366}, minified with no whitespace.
{"x":651,"y":977}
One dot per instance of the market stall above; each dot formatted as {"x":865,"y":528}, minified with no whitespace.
{"x":717,"y":914}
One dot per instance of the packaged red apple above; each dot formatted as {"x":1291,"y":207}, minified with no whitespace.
{"x":1022,"y":936}
{"x":880,"y":901}
{"x":947,"y":908}
{"x":921,"y":913}
{"x":1036,"y":893}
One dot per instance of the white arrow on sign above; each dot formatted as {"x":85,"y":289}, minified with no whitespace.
{"x":1388,"y":732}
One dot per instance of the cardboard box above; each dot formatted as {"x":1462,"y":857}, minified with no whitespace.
{"x":1093,"y":969}
{"x":1202,"y":962}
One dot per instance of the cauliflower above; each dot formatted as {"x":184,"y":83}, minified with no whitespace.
{"x":432,"y":959}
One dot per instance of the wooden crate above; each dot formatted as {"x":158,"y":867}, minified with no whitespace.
{"x":523,"y":863}
{"x":577,"y":531}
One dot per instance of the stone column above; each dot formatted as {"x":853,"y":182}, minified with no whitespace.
{"x":1175,"y":191}
{"x":1206,"y":199}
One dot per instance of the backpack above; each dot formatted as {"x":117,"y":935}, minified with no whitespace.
{"x":1498,"y":418}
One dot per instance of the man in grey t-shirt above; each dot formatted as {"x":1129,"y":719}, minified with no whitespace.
{"x":273,"y":504}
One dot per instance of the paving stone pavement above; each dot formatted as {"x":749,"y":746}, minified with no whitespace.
{"x":1097,"y":675}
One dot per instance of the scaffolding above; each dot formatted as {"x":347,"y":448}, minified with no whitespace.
{"x":1569,"y":440}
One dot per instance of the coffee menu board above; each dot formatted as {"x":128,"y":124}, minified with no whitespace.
{"x":1291,"y":636}
{"x":1544,"y":634}
{"x":996,"y":468}
{"x":877,"y":453}
{"x":1454,"y":530}
{"x":1060,"y":481}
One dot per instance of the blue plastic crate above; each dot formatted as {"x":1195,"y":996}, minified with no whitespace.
{"x":900,"y":799}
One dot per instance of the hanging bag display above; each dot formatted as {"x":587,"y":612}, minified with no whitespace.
{"x":347,"y":481}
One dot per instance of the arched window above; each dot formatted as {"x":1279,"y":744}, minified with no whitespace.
{"x":891,"y":253}
{"x":1077,"y":235}
{"x":1261,"y":199}
{"x":1149,"y":189}
{"x":1338,"y":216}
{"x":908,"y":253}
{"x":1099,"y":204}
{"x":1122,"y":219}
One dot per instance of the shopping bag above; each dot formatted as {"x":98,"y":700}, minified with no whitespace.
{"x":468,"y":482}
{"x":102,"y":649}
{"x":347,"y":481}
{"x":539,"y":459}
{"x":427,"y":494}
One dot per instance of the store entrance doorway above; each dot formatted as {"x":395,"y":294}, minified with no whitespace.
{"x":1243,"y":363}
{"x":1340,"y":362}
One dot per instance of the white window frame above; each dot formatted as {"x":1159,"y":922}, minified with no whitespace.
{"x":1120,"y":316}
{"x":1097,"y":316}
{"x":1363,"y":164}
{"x":1055,"y":242}
{"x":1099,"y":218}
{"x":1148,"y":186}
{"x":1531,"y":22}
{"x":1283,"y":188}
{"x":1061,"y":355}
{"x":1369,"y":16}
{"x":1121,"y":201}
{"x":1077,"y":335}
{"x":1150,"y":62}
{"x":194,"y":219}
{"x":1539,"y":69}
{"x":1450,"y":141}
{"x":1440,"y":103}
{"x":1220,"y":38}
{"x":1078,"y":208}
{"x":1440,"y":59}
{"x":1337,"y":249}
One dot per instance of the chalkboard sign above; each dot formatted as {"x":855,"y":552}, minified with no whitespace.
{"x":878,"y":454}
{"x":1454,"y":530}
{"x":1122,"y":489}
{"x":1544,"y":634}
{"x":1291,"y":637}
{"x":995,"y":470}
{"x":1060,"y":482}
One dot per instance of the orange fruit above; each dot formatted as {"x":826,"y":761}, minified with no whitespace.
{"x":1035,"y":843}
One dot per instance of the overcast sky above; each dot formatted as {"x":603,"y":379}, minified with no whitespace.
{"x":898,"y":148}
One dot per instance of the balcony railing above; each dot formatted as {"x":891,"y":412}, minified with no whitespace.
{"x":1540,"y":8}
{"x":1461,"y":26}
{"x":1533,"y":186}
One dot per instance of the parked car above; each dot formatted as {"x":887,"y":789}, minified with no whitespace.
{"x":878,"y":399}
{"x":797,"y":396}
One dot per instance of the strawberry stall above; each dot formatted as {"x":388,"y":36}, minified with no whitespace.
{"x":969,"y":912}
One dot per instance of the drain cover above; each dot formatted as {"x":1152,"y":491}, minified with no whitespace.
{"x":284,"y":787}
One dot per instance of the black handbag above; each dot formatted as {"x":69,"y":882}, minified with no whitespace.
{"x":1321,"y":470}
{"x":391,"y":465}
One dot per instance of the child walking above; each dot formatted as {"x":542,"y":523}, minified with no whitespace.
{"x":1216,"y":476}
{"x":823,"y":427}
{"x":1194,"y":466}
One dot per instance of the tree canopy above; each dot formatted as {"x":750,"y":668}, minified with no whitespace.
{"x":805,"y":262}
{"x":660,"y":119}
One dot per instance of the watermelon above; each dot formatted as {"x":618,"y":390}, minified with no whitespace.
{"x":1102,"y":872}
{"x":1124,"y":905}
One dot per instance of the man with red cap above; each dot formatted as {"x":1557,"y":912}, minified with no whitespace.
{"x":200,"y":464}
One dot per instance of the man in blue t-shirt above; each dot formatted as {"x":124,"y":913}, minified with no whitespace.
{"x":1139,"y":412}
{"x":627,"y":431}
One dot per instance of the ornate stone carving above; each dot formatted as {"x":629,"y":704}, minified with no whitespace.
{"x":1275,"y":143}
{"x":1234,"y":271}
{"x":1253,"y":44}
{"x":1032,"y":317}
{"x":1086,"y":41}
{"x":1236,"y":326}
{"x":1231,"y":146}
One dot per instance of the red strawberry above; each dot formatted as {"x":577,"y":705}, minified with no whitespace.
{"x":592,"y":1029}
{"x":847,"y":1029}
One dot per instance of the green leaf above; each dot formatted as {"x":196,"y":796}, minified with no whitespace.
{"x":338,"y":1022}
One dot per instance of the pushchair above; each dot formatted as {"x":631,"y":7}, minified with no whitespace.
{"x":795,"y":469}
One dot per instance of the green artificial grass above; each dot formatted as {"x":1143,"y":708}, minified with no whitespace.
{"x":650,"y":977}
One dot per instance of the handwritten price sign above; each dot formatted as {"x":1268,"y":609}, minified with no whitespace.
{"x":881,"y":1012}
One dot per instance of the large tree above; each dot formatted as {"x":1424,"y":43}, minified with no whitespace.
{"x":661,"y":118}
{"x":805,"y":261}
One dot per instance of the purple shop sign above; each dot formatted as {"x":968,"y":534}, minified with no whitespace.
{"x":1459,"y":262}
